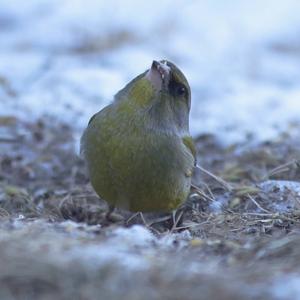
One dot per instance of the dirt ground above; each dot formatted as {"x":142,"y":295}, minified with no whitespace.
{"x":236,"y":237}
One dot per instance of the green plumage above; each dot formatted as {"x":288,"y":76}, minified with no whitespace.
{"x":139,"y":155}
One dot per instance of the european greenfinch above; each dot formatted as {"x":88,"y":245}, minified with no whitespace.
{"x":139,"y":153}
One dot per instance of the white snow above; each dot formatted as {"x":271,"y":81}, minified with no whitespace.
{"x":286,"y":287}
{"x":132,"y":249}
{"x":230,"y":51}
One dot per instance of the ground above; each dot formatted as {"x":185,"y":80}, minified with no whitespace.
{"x":238,"y":237}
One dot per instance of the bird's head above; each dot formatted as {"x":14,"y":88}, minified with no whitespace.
{"x":162,"y":91}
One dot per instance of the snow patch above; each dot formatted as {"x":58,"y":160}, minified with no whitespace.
{"x":240,"y":58}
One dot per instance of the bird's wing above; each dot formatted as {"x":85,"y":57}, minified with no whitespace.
{"x":92,"y":118}
{"x":189,"y":143}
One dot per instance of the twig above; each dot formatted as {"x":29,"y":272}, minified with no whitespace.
{"x":202,"y":193}
{"x":272,"y":215}
{"x":282,"y":168}
{"x":175,"y":220}
{"x":192,"y":225}
{"x":215,"y":177}
{"x":141,"y":216}
{"x":209,"y":190}
{"x":257,"y":204}
{"x":4,"y":213}
{"x":158,"y":220}
{"x":8,"y":140}
{"x":260,"y":214}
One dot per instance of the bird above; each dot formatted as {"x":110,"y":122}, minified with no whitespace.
{"x":138,"y":150}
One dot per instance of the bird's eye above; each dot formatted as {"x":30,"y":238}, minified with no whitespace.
{"x":181,"y":90}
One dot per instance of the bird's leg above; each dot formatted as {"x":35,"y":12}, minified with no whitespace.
{"x":143,"y":219}
{"x":135,"y":215}
{"x":112,"y":217}
{"x":132,"y":217}
{"x":176,"y":219}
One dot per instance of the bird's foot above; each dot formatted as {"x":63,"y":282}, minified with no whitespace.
{"x":112,"y":217}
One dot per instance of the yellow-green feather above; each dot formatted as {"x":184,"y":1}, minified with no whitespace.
{"x":189,"y":143}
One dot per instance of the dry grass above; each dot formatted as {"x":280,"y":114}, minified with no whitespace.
{"x":242,"y":238}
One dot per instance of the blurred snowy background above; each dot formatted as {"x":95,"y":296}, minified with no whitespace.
{"x":68,"y":58}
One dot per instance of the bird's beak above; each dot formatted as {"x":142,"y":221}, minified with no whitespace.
{"x":159,"y":74}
